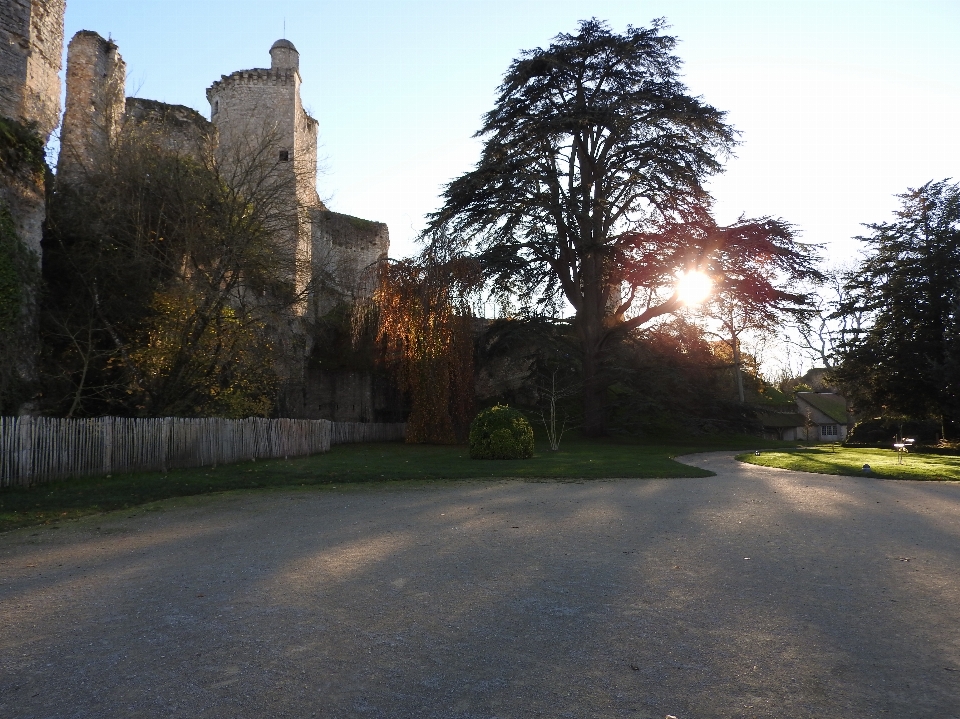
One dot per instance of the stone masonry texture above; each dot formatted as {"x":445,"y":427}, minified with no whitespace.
{"x":96,"y":75}
{"x":261,"y":108}
{"x":31,"y":44}
{"x":253,"y":113}
{"x":175,"y":128}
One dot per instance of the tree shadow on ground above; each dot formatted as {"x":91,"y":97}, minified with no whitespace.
{"x":500,"y":598}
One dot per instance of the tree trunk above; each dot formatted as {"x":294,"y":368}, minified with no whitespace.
{"x":589,"y":323}
{"x":738,"y":373}
{"x":594,"y":416}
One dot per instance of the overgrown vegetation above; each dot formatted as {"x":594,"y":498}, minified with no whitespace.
{"x":18,"y":284}
{"x":424,"y":327}
{"x":21,"y":151}
{"x":167,"y":284}
{"x":671,"y":379}
{"x":21,"y":147}
{"x":665,"y":380}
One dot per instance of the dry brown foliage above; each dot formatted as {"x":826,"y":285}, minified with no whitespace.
{"x":424,"y":326}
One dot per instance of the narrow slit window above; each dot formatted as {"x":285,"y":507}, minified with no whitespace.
{"x":284,"y":156}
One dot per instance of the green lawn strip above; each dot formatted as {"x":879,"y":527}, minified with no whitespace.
{"x":348,"y":464}
{"x":847,"y":461}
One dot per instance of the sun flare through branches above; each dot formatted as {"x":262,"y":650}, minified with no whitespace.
{"x":693,"y":287}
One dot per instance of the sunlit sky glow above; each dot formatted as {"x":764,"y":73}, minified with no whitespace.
{"x":840,"y":104}
{"x":693,"y":287}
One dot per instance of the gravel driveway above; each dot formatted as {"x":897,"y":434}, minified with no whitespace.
{"x":755,"y":593}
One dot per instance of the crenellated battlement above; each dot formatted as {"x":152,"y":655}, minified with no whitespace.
{"x":256,"y":115}
{"x":326,"y":256}
{"x":253,"y":77}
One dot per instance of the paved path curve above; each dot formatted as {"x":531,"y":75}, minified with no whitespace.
{"x":755,"y":593}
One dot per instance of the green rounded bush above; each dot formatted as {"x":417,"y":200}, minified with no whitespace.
{"x":500,"y":433}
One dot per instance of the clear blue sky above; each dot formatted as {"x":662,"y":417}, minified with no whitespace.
{"x":841,"y":104}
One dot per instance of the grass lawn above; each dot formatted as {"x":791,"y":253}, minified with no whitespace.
{"x":352,"y":463}
{"x":883,"y":463}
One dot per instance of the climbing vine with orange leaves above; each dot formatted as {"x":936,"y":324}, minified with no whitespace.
{"x":424,"y":327}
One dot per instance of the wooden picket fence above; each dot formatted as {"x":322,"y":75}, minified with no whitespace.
{"x":41,"y":449}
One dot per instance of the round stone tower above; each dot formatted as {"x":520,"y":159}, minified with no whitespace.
{"x":93,"y":115}
{"x":284,"y":56}
{"x":258,"y":114}
{"x":257,"y":108}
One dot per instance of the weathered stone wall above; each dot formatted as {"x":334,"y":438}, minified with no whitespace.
{"x":252,"y":110}
{"x":96,"y":75}
{"x":31,"y":46}
{"x":261,"y":107}
{"x":344,"y":396}
{"x":175,"y":128}
{"x":23,"y":194}
{"x":345,"y":252}
{"x":258,"y":114}
{"x":256,"y":117}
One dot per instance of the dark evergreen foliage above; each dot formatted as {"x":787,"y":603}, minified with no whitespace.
{"x":590,"y":190}
{"x":907,"y":359}
{"x":501,"y":433}
{"x":22,"y":164}
{"x":668,"y":380}
{"x":665,"y":380}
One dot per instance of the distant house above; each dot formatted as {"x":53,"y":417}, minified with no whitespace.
{"x":817,"y":417}
{"x":816,"y":379}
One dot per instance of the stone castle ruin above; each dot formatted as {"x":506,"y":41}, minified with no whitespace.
{"x":249,"y":111}
{"x":329,"y":253}
{"x":248,"y":105}
{"x":252,"y":112}
{"x":31,"y":45}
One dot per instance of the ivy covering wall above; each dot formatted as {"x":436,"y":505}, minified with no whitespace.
{"x":21,"y":148}
{"x":21,"y":161}
{"x":18,"y":277}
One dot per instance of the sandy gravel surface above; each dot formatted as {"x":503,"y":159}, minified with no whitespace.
{"x":756,"y":593}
